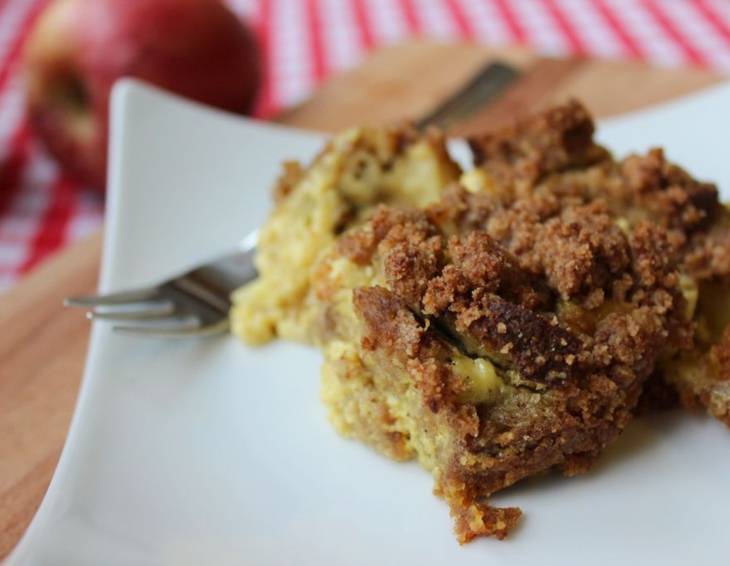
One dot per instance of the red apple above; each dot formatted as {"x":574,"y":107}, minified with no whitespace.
{"x":79,"y":48}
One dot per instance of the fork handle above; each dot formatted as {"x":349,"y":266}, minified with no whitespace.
{"x":482,"y":88}
{"x":214,"y":282}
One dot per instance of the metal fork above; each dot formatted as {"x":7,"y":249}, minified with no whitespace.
{"x":197,"y":302}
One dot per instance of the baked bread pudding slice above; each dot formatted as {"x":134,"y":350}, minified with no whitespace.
{"x":496,"y":323}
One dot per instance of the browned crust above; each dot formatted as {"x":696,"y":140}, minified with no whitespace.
{"x":708,"y":255}
{"x":558,"y":139}
{"x":290,"y":175}
{"x":474,"y":519}
{"x":532,"y":343}
{"x":720,"y":363}
{"x":709,"y":387}
{"x":668,"y":193}
{"x":720,"y":357}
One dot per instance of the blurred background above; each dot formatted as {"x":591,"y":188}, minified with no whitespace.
{"x":45,"y":204}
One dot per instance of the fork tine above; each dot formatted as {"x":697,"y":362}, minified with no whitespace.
{"x":183,"y":331}
{"x":136,"y":296}
{"x":143,"y":311}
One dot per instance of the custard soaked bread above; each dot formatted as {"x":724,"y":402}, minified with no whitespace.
{"x":500,"y":322}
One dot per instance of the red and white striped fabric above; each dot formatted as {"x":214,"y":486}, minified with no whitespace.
{"x":304,"y":41}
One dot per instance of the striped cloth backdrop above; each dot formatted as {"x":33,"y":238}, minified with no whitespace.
{"x":304,"y":41}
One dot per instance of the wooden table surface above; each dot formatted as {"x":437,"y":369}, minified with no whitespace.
{"x":43,"y":346}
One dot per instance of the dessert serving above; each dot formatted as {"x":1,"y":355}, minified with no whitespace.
{"x":503,"y":321}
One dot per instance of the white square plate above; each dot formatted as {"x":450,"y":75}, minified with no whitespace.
{"x":209,"y":452}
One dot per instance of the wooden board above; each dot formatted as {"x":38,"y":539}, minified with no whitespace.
{"x":407,"y":80}
{"x":43,"y":346}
